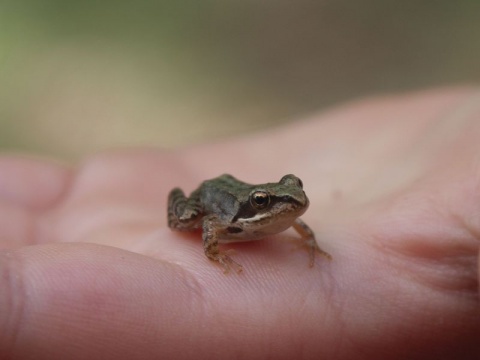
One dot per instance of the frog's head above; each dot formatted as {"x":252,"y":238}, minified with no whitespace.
{"x":272,"y":208}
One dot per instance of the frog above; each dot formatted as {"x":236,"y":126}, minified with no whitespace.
{"x":228,"y":210}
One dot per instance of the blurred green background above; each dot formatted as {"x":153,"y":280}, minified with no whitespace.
{"x":80,"y":76}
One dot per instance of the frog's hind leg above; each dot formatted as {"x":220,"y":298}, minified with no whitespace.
{"x":183,"y":213}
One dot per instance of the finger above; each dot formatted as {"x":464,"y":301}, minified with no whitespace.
{"x":72,"y":301}
{"x":79,"y":301}
{"x":27,"y":186}
{"x":31,"y":183}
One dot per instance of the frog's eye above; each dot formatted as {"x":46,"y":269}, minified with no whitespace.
{"x":259,"y":199}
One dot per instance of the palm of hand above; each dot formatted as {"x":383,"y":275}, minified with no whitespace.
{"x":395,"y":202}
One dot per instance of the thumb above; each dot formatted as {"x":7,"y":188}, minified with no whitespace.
{"x":80,"y":300}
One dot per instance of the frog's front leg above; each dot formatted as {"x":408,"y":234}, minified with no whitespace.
{"x":210,"y":245}
{"x":184,"y":213}
{"x":309,"y":240}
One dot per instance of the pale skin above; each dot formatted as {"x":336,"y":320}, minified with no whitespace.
{"x":394,"y":189}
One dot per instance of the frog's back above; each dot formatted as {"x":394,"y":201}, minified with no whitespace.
{"x":222,"y":195}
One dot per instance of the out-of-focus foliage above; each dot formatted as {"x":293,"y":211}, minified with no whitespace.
{"x":79,"y":76}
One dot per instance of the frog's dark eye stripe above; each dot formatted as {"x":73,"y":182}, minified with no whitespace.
{"x":259,"y":199}
{"x":234,"y":229}
{"x":287,"y":199}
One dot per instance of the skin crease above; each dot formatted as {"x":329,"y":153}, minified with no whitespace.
{"x":90,"y":270}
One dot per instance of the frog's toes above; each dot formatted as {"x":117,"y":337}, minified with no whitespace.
{"x":312,"y":248}
{"x":227,"y":263}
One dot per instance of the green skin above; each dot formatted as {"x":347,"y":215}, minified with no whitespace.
{"x":229,"y":210}
{"x":394,"y":190}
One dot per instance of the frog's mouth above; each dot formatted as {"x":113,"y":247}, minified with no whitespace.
{"x":282,"y":214}
{"x":279,"y":217}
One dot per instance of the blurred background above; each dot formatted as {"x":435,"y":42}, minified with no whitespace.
{"x":77,"y":77}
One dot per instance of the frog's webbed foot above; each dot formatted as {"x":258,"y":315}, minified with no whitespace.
{"x":212,"y":251}
{"x":309,"y":241}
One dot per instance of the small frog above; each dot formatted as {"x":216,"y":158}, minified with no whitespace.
{"x":229,"y":210}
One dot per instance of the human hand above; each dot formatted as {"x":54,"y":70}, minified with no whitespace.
{"x":91,"y":270}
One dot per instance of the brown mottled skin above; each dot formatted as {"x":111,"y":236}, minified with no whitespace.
{"x":229,"y":210}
